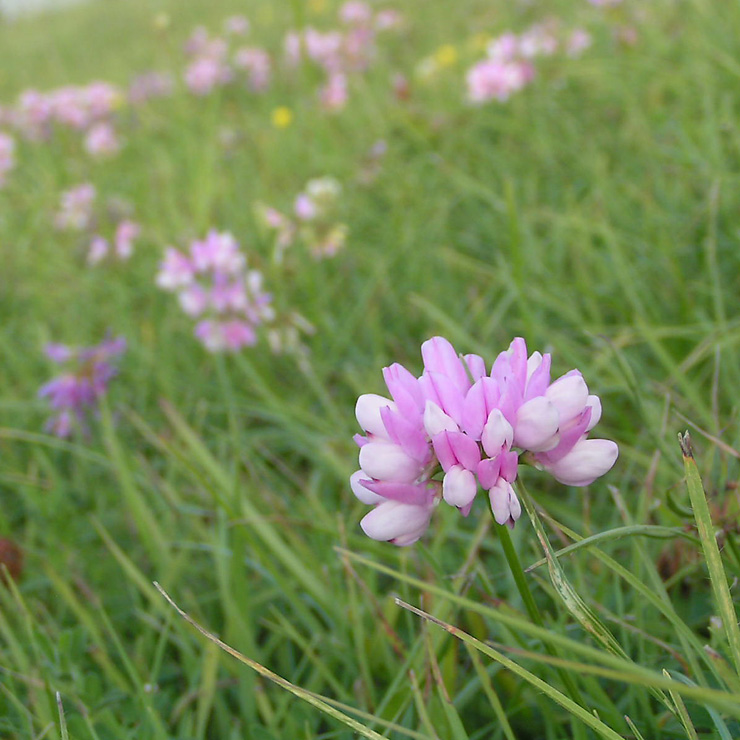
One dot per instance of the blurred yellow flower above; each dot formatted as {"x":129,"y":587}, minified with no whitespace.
{"x":446,"y":55}
{"x":317,"y":6}
{"x":282,"y":117}
{"x":162,"y":21}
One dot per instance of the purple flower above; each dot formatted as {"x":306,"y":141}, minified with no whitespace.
{"x":471,"y":427}
{"x":74,"y":394}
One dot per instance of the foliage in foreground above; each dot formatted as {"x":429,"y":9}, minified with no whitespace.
{"x":593,"y":213}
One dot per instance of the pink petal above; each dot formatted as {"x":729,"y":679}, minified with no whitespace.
{"x":440,"y":357}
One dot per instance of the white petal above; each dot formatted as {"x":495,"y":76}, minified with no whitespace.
{"x":594,"y":402}
{"x":367,"y":411}
{"x":497,"y":433}
{"x":588,"y":460}
{"x":436,"y":421}
{"x":387,"y":461}
{"x":391,"y":520}
{"x":569,"y":395}
{"x":500,"y":496}
{"x":536,"y":422}
{"x":459,"y":486}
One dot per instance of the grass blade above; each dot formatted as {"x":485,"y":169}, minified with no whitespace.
{"x":711,"y":550}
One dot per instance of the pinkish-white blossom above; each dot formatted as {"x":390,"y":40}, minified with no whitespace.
{"x":76,"y":208}
{"x":101,"y":140}
{"x":213,"y":285}
{"x":472,"y":426}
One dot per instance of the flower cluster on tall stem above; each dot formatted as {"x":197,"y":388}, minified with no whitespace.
{"x":470,"y":427}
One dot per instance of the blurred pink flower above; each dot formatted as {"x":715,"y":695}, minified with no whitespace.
{"x":212,"y":282}
{"x":490,"y":79}
{"x":578,"y":41}
{"x":257,"y":63}
{"x":7,"y":155}
{"x":205,"y":74}
{"x":236,"y":25}
{"x":75,"y":212}
{"x":126,"y":234}
{"x":101,"y":140}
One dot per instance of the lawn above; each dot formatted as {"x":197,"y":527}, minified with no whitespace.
{"x":273,"y":211}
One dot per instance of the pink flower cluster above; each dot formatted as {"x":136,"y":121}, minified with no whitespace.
{"x":80,"y":108}
{"x":75,"y":393}
{"x":314,"y":220}
{"x":509,"y":66}
{"x":77,"y":213}
{"x":215,"y":64}
{"x":341,"y":52}
{"x":475,"y":426}
{"x":214,"y":285}
{"x":7,"y":156}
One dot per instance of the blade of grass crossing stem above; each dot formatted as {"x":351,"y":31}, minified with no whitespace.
{"x":572,"y":600}
{"x":682,"y":713}
{"x":711,"y":550}
{"x":658,"y":597}
{"x":569,"y":596}
{"x":632,"y":673}
{"x":568,"y":704}
{"x":308,"y":697}
{"x":644,"y":530}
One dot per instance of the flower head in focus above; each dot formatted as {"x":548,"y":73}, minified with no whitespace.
{"x":458,"y":427}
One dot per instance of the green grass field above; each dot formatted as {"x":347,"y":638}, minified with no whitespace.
{"x":594,"y":213}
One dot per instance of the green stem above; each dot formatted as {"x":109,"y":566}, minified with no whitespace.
{"x":515,"y":565}
{"x":512,"y":558}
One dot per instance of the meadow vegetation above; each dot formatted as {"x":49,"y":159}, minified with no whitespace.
{"x":592,"y":210}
